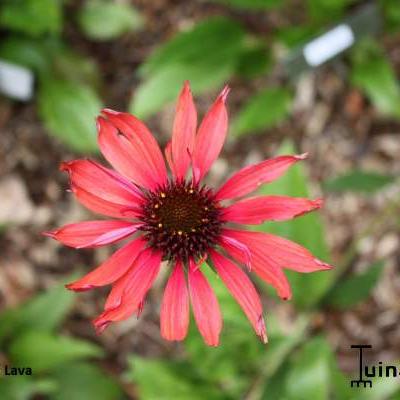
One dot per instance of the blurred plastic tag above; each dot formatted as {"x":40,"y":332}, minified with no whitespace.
{"x":366,"y":21}
{"x":16,"y":81}
{"x":328,"y":45}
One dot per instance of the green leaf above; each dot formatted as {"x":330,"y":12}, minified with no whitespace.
{"x":24,"y":387}
{"x":83,"y":381}
{"x":327,"y":10}
{"x":217,"y":39}
{"x":28,"y":52}
{"x":45,"y":312}
{"x":295,"y":35}
{"x":175,"y":380}
{"x":309,"y":375}
{"x":355,"y":289}
{"x":71,"y":66}
{"x":383,"y":388}
{"x":105,"y":20}
{"x":50,"y":57}
{"x":33,"y":17}
{"x":264,"y":110}
{"x":207,"y":55}
{"x":164,"y":86}
{"x":391,"y":12}
{"x":358,"y":181}
{"x":254,"y":61}
{"x":373,"y":74}
{"x":69,"y":110}
{"x":253,"y":4}
{"x":43,"y":351}
{"x":307,"y":230}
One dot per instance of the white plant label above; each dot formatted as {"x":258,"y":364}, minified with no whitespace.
{"x":16,"y":81}
{"x":329,"y":45}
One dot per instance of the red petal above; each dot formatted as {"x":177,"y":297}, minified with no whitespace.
{"x":128,"y":294}
{"x":210,"y":137}
{"x":184,"y":131}
{"x":258,"y":209}
{"x":168,"y":156}
{"x":239,"y":247}
{"x":283,"y":252}
{"x":92,"y":233}
{"x":251,"y":177}
{"x":142,"y":142}
{"x":242,"y":290}
{"x":174,"y":315}
{"x":261,"y":262}
{"x":104,"y":207}
{"x":124,"y":153}
{"x":101,"y":189}
{"x":112,"y":269}
{"x":205,"y":306}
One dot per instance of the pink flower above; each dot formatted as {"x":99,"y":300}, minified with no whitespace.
{"x":181,"y":221}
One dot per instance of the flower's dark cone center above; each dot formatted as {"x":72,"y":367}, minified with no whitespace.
{"x":181,"y":220}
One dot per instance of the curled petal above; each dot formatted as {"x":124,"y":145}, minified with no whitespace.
{"x":101,"y":189}
{"x":210,"y":137}
{"x":142,"y":142}
{"x":239,"y":247}
{"x":123,"y":152}
{"x":258,"y":209}
{"x":262,"y":264}
{"x":112,"y":269}
{"x":93,"y":233}
{"x":129,"y":292}
{"x":205,"y":306}
{"x":283,"y":252}
{"x":251,"y":177}
{"x":102,"y":182}
{"x":184,"y":131}
{"x":242,"y":290}
{"x":174,"y":315}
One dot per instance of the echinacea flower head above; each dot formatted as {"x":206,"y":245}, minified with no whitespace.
{"x":176,"y":222}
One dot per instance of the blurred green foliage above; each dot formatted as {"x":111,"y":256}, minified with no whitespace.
{"x":104,"y":20}
{"x":358,"y":181}
{"x":295,"y":365}
{"x":307,"y":230}
{"x":68,"y":82}
{"x":206,"y":55}
{"x":62,"y":366}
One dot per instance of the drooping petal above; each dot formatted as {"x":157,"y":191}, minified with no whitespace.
{"x":229,"y":241}
{"x":123,"y":153}
{"x":174,"y":315}
{"x":114,"y":298}
{"x":283,"y":252}
{"x":251,"y":177}
{"x":258,"y":209}
{"x":184,"y":131}
{"x":102,"y":190}
{"x":129,"y":292}
{"x":92,"y":233}
{"x":210,"y":137}
{"x":262,"y":264}
{"x":112,"y":269}
{"x":242,"y":290}
{"x":142,"y":142}
{"x":205,"y":306}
